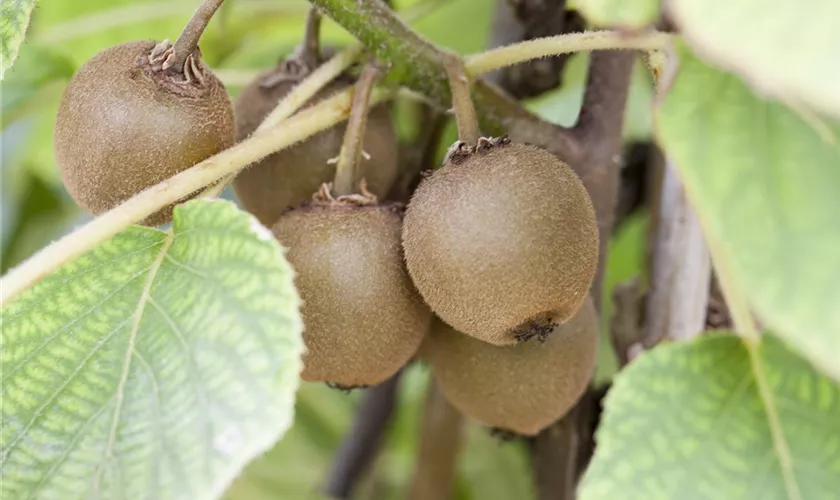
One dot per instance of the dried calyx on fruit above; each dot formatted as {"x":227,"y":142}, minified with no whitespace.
{"x":364,"y":319}
{"x":502,"y":241}
{"x":521,"y":388}
{"x":138,"y":113}
{"x":290,"y":176}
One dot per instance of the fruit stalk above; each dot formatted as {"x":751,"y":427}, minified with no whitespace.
{"x":310,"y":49}
{"x":347,"y":170}
{"x":462,"y":104}
{"x":188,"y":41}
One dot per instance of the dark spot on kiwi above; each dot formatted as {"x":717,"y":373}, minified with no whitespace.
{"x":346,"y":389}
{"x":501,"y":235}
{"x":363,"y":318}
{"x":521,"y":388}
{"x":124,"y":126}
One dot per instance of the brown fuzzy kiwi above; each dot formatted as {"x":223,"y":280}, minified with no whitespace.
{"x":125,"y":124}
{"x":290,"y":176}
{"x":363,"y":318}
{"x":502,"y":241}
{"x":521,"y":388}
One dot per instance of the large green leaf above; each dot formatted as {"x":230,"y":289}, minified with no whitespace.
{"x":783,"y":47}
{"x":689,"y":421}
{"x":14,"y":19}
{"x":625,"y":13}
{"x":765,"y":184}
{"x":155,"y":366}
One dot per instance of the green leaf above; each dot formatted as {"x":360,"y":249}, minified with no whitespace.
{"x":784,"y":48}
{"x":716,"y":419}
{"x":14,"y":19}
{"x":155,"y":366}
{"x":764,"y":183}
{"x":625,"y":13}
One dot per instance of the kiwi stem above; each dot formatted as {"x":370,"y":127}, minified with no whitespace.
{"x":305,"y":124}
{"x":310,"y":48}
{"x":462,"y":104}
{"x":347,"y":170}
{"x":188,"y":41}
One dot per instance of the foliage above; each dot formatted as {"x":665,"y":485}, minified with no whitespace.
{"x":14,"y":19}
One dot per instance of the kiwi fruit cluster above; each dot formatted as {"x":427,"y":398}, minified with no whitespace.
{"x":135,"y":115}
{"x":521,"y":388}
{"x":500,"y":242}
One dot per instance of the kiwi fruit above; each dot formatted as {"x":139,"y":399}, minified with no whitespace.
{"x":125,"y":123}
{"x":502,"y":241}
{"x":521,"y":388}
{"x":290,"y":176}
{"x":363,"y":318}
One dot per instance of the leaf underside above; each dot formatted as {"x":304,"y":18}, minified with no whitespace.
{"x":154,"y":366}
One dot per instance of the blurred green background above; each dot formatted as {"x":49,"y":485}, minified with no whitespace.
{"x":244,"y":38}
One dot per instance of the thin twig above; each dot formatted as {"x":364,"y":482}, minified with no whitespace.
{"x":364,"y":439}
{"x":347,"y":170}
{"x":441,"y":436}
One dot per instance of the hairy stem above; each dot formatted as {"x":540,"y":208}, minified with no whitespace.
{"x":347,"y":170}
{"x":564,"y":44}
{"x":188,"y":41}
{"x":461,"y":101}
{"x":364,"y":439}
{"x":320,"y":117}
{"x":441,"y":436}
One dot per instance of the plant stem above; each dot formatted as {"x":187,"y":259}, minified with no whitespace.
{"x":310,"y":48}
{"x":564,"y":44}
{"x":459,"y":84}
{"x":320,"y":117}
{"x":347,"y":170}
{"x":188,"y":41}
{"x":364,"y":439}
{"x":441,"y":435}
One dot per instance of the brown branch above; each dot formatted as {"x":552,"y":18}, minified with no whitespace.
{"x":558,"y":450}
{"x":441,"y":436}
{"x":364,"y":439}
{"x":527,"y":20}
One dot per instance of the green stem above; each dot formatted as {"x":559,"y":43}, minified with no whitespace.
{"x":347,"y":170}
{"x":459,"y":84}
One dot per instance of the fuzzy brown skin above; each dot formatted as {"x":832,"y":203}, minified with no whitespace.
{"x":522,"y":388}
{"x":121,"y":129}
{"x":292,"y":175}
{"x":496,"y":239}
{"x":363,"y":319}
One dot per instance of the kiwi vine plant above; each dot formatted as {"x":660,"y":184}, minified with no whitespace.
{"x":330,"y":249}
